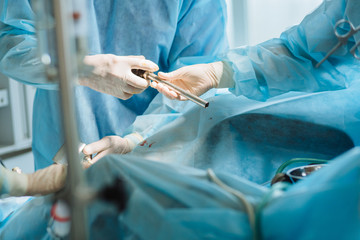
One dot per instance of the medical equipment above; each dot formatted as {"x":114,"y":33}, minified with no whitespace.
{"x":343,"y":38}
{"x":186,"y":94}
{"x":64,"y":66}
{"x":299,"y":173}
{"x":59,"y":223}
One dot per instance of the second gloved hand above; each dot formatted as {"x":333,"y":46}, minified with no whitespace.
{"x":112,"y":74}
{"x":197,"y":79}
{"x":112,"y":144}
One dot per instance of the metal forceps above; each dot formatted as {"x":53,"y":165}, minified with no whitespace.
{"x":343,"y":39}
{"x":186,"y":94}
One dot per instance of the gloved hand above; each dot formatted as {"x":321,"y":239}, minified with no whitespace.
{"x":112,"y":144}
{"x":196,"y":79}
{"x":41,"y":182}
{"x":112,"y":74}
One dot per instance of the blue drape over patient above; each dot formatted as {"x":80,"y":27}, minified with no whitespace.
{"x":168,"y":201}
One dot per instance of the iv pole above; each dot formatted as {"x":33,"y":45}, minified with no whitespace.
{"x":67,"y":73}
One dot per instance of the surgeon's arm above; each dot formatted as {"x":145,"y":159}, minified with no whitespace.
{"x":288,"y":63}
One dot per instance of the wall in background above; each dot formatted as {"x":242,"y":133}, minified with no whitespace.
{"x":15,"y":115}
{"x":254,"y":21}
{"x":16,"y":107}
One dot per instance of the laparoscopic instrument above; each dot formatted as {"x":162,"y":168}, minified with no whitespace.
{"x":153,"y":77}
{"x":343,"y":31}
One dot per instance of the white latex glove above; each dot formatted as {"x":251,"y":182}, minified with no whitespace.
{"x":112,"y":74}
{"x":196,"y":79}
{"x":112,"y":144}
{"x":41,"y":182}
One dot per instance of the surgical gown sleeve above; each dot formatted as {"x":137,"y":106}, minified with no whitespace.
{"x":19,"y":45}
{"x":288,"y":63}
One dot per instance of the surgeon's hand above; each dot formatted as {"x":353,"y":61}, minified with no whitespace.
{"x":112,"y":144}
{"x":196,"y":79}
{"x":112,"y":74}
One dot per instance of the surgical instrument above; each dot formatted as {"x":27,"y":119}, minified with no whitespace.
{"x":299,"y":173}
{"x":153,"y":77}
{"x":343,"y":38}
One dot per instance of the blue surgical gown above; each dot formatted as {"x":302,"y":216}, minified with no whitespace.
{"x":288,"y":63}
{"x":162,"y":30}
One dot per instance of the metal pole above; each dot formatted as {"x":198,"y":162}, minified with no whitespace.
{"x":68,"y":72}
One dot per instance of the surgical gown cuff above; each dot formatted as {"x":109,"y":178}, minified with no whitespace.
{"x":226,"y":80}
{"x":244,"y":75}
{"x":134,"y":139}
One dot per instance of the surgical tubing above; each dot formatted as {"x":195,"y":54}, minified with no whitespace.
{"x":275,"y":191}
{"x":248,"y":207}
